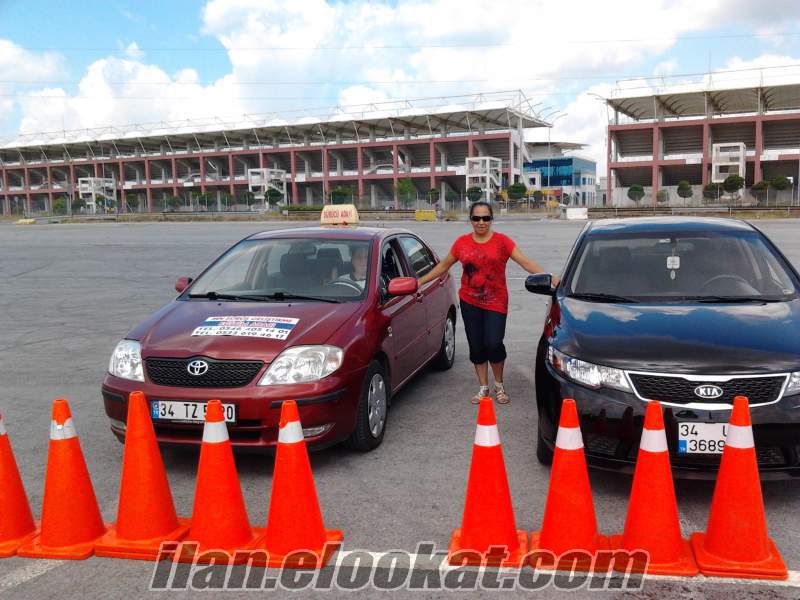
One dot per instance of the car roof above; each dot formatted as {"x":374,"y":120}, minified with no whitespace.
{"x":668,"y":224}
{"x":329,"y":232}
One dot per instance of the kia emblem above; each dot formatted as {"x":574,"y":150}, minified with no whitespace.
{"x":708,"y":392}
{"x":197,"y":368}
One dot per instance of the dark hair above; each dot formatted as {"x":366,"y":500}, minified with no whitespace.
{"x":481,"y":203}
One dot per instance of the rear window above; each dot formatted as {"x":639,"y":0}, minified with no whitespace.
{"x":674,"y":266}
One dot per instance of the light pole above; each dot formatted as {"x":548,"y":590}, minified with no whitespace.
{"x":548,"y":145}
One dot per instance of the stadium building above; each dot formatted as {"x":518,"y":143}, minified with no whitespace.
{"x":701,"y":134}
{"x":298,"y":157}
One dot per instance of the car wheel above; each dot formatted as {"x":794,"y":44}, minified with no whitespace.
{"x":372,"y":411}
{"x":543,"y":452}
{"x":447,"y":351}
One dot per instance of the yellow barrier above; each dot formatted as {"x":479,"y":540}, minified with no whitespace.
{"x":425,"y":215}
{"x":26,"y":222}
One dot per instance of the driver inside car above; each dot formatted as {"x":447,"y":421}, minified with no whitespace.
{"x":358,"y":274}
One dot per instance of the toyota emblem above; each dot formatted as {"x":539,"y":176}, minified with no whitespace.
{"x":197,"y":368}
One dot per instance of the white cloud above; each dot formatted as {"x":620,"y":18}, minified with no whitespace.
{"x":132,"y":50}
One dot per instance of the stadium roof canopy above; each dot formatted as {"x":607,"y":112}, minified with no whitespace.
{"x":383,"y":120}
{"x":697,"y":100}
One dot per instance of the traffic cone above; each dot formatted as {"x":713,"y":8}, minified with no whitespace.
{"x":71,"y":521}
{"x":736,"y":543}
{"x":16,"y":520}
{"x":488,"y":520}
{"x":219,"y":518}
{"x":295,"y":521}
{"x":146,"y":513}
{"x":569,"y":522}
{"x":652,"y":522}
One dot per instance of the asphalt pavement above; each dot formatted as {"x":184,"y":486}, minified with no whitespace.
{"x":70,"y":292}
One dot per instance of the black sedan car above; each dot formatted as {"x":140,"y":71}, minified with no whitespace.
{"x":688,"y":311}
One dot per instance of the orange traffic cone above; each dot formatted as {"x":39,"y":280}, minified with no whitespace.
{"x":146,"y":513}
{"x":16,"y":520}
{"x":219,"y":518}
{"x":71,"y":521}
{"x":294,"y":522}
{"x":488,"y":514}
{"x":736,"y":543}
{"x":652,"y":522}
{"x":569,"y":523}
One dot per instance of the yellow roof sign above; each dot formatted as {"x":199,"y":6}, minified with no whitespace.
{"x":339,"y":214}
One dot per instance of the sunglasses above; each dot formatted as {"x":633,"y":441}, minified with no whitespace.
{"x":479,"y":218}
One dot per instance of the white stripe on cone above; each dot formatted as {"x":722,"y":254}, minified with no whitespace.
{"x":740,"y":436}
{"x":2,"y":425}
{"x":63,"y":432}
{"x":569,"y":438}
{"x":215,"y":432}
{"x":653,"y":440}
{"x":487,"y":435}
{"x":290,"y":433}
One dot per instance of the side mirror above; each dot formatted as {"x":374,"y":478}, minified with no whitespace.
{"x":402,"y":286}
{"x":541,"y":283}
{"x":182,"y":283}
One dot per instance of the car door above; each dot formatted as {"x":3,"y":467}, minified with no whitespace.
{"x":406,"y":315}
{"x":420,"y":260}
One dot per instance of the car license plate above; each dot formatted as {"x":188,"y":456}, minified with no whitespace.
{"x":186,"y":412}
{"x":701,"y":438}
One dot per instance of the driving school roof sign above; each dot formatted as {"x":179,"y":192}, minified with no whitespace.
{"x":339,"y":214}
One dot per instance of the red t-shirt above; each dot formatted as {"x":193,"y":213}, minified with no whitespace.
{"x":483,"y":281}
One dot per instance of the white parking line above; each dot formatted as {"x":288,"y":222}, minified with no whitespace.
{"x":31,"y":570}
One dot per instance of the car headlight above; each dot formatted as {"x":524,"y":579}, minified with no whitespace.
{"x":588,"y":374}
{"x":793,"y":387}
{"x":302,"y":364}
{"x":126,"y":361}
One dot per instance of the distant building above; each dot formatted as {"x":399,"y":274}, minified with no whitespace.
{"x":559,"y":176}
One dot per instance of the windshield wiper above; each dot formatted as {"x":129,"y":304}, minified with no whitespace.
{"x":733,"y":299}
{"x":222,"y":296}
{"x":602,"y":298}
{"x":281,"y":296}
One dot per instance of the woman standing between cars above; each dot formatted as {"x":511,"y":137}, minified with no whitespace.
{"x":483,"y":255}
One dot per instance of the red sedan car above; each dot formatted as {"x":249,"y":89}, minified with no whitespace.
{"x":328,"y":317}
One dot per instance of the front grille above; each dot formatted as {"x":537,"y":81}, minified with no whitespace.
{"x":221,"y":373}
{"x":677,"y":390}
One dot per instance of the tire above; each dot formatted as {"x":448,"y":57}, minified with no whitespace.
{"x":373,"y":402}
{"x":543,"y":452}
{"x":447,"y":351}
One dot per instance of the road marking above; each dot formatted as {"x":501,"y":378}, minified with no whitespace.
{"x":30,"y":571}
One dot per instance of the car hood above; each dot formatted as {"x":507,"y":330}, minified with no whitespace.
{"x":688,"y":338}
{"x":168,"y":332}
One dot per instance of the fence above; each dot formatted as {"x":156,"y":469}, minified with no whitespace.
{"x":670,"y":198}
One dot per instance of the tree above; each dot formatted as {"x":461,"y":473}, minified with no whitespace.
{"x":474,"y":193}
{"x":273,"y":196}
{"x":433,"y":196}
{"x":451,"y":196}
{"x":174,"y":203}
{"x":516,"y":191}
{"x":406,"y":191}
{"x":781,"y":182}
{"x":538,"y":195}
{"x":662,"y":196}
{"x":685,"y":190}
{"x":636,"y":193}
{"x":732,"y":184}
{"x":132,"y":200}
{"x":78,"y":204}
{"x":60,"y":205}
{"x":760,"y":191}
{"x":340,"y":195}
{"x":712,"y":191}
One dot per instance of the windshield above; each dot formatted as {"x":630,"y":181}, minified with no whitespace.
{"x":278,"y":269}
{"x":705,"y":267}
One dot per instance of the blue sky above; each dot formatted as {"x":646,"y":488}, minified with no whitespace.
{"x":116,"y":62}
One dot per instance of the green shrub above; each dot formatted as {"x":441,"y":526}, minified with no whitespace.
{"x":760,"y":190}
{"x":662,"y":196}
{"x":733,"y":183}
{"x":636,"y":192}
{"x":474,"y":194}
{"x":685,"y":189}
{"x":781,"y":182}
{"x":712,"y":191}
{"x":516,"y":191}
